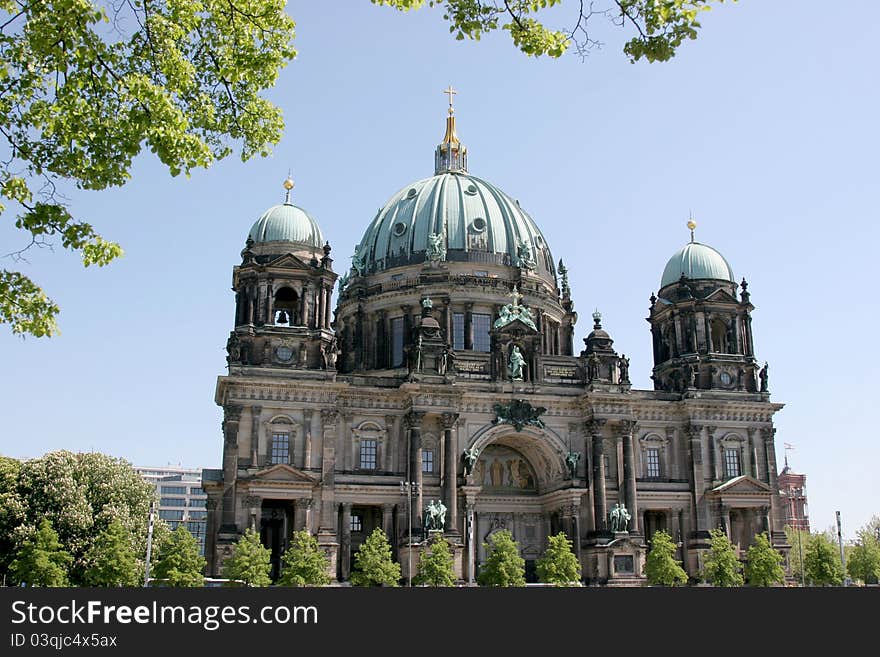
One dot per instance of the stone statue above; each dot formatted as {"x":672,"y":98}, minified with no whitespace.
{"x":445,"y":362}
{"x":516,"y":364}
{"x":763,"y":375}
{"x":571,"y":460}
{"x":436,"y":251}
{"x":689,"y":375}
{"x":619,"y":518}
{"x":623,"y":364}
{"x":357,"y":262}
{"x":470,"y":459}
{"x":593,"y":367}
{"x":524,"y":256}
{"x":303,"y":354}
{"x":435,"y":516}
{"x":233,"y":349}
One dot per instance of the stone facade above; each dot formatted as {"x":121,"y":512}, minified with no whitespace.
{"x":418,"y":368}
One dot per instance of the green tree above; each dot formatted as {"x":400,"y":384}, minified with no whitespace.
{"x":81,"y":494}
{"x":86,"y":85}
{"x":249,"y":561}
{"x":661,"y":567}
{"x":720,"y":566}
{"x":435,"y":564}
{"x":863,"y":560}
{"x":304,"y":563}
{"x":503,"y":566}
{"x":763,"y":563}
{"x":798,"y":540}
{"x":41,"y":561}
{"x":822,"y":565}
{"x":373,"y":565}
{"x":658,"y":27}
{"x":559,"y":565}
{"x":179,"y":563}
{"x":11,"y":512}
{"x":110,"y":561}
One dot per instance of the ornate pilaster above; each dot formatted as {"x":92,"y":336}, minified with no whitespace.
{"x":345,"y":543}
{"x":231,"y":419}
{"x":626,"y":429}
{"x":307,"y":438}
{"x":390,"y":441}
{"x":255,"y":435}
{"x":413,"y":422}
{"x":329,"y":418}
{"x":594,"y":428}
{"x":695,"y":449}
{"x":714,"y":459}
{"x":450,"y":480}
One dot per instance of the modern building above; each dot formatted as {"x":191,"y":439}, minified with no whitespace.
{"x":181,"y":499}
{"x":793,"y":493}
{"x":448,"y":372}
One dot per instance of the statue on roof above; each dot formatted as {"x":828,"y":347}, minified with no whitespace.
{"x":436,"y":251}
{"x":524,"y":258}
{"x":515,"y":311}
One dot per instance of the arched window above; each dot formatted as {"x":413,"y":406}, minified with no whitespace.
{"x":287,"y":307}
{"x":719,"y":336}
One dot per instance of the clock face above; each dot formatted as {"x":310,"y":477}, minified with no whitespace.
{"x":284,"y":353}
{"x":725,"y":378}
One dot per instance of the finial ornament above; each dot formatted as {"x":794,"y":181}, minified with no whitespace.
{"x":691,"y":224}
{"x":597,"y":319}
{"x":450,"y":92}
{"x":288,"y":185}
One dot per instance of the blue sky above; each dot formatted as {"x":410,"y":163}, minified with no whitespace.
{"x":765,"y":128}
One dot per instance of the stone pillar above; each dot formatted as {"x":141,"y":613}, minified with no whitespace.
{"x":725,"y":518}
{"x":306,"y":459}
{"x":407,"y":328}
{"x":345,"y":542}
{"x":627,"y":427}
{"x":450,"y":462}
{"x":747,"y":459}
{"x":390,"y":443}
{"x":231,"y":418}
{"x":714,"y":460}
{"x":253,"y":504}
{"x":413,"y":421}
{"x":775,"y":511}
{"x":594,"y":428}
{"x":468,"y":326}
{"x":695,"y":432}
{"x":306,"y":505}
{"x":753,"y":451}
{"x":673,"y":463}
{"x":388,"y":521}
{"x":471,"y":531}
{"x":346,"y":444}
{"x":327,"y":307}
{"x":255,"y":436}
{"x":329,"y":418}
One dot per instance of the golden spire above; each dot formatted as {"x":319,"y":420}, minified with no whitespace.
{"x":288,"y":185}
{"x":450,"y":137}
{"x":692,"y":225}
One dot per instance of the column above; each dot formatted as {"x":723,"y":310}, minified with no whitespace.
{"x":327,"y":307}
{"x":329,"y":418}
{"x":695,"y":432}
{"x":231,"y":418}
{"x":714,"y":461}
{"x":388,"y":520}
{"x":468,"y":326}
{"x":307,"y":505}
{"x":346,"y":443}
{"x":413,"y":421}
{"x":255,"y":436}
{"x":775,"y":511}
{"x":470,"y":529}
{"x":390,"y":443}
{"x":594,"y":428}
{"x":450,"y":462}
{"x":747,"y":460}
{"x":725,"y":518}
{"x":307,"y":439}
{"x":322,"y":305}
{"x":753,"y":450}
{"x":627,"y":427}
{"x":345,"y":543}
{"x":447,"y":320}
{"x":253,"y":504}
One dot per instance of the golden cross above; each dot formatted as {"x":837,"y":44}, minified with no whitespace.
{"x":451,"y":92}
{"x":516,"y":297}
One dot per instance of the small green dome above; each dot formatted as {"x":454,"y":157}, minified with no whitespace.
{"x":697,"y":261}
{"x":287,"y":223}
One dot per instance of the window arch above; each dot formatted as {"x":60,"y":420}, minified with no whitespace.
{"x":286,"y":305}
{"x":654,"y":458}
{"x":732,"y":455}
{"x":368,"y":446}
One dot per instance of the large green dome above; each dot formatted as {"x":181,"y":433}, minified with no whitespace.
{"x":287,"y":223}
{"x":697,"y":261}
{"x":474,"y":217}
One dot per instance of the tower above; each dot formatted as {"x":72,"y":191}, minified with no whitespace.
{"x":702,"y":334}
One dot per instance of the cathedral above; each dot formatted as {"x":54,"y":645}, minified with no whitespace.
{"x":445,"y":393}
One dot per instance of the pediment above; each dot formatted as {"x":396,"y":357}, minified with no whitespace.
{"x":283,"y":473}
{"x":722,"y":296}
{"x":743,"y":484}
{"x":516,"y":326}
{"x":288,"y":261}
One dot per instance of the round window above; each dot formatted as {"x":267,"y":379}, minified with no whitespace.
{"x":412,"y":192}
{"x":284,"y":353}
{"x":726,"y":379}
{"x":399,"y":228}
{"x":479,"y":224}
{"x":471,"y":189}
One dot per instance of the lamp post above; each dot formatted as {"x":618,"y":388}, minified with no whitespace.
{"x":406,"y":488}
